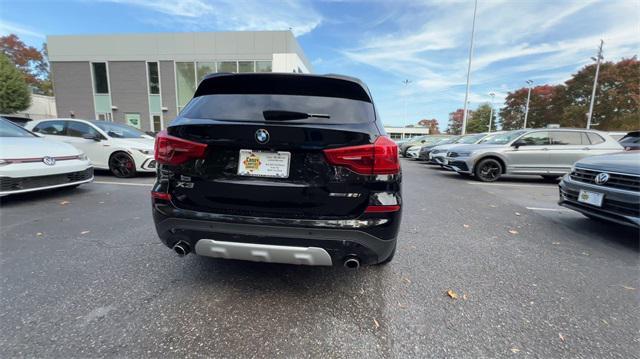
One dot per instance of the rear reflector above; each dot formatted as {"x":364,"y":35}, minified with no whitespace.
{"x":382,"y":209}
{"x":161,"y":195}
{"x":381,"y":157}
{"x":174,"y":151}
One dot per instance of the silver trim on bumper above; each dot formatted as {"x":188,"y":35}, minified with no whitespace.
{"x":312,"y":256}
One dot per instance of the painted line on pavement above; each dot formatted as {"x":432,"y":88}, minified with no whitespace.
{"x":548,"y":209}
{"x":511,"y":185}
{"x":124,"y":183}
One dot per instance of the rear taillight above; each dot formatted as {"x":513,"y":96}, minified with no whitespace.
{"x":381,"y":157}
{"x":172,"y":150}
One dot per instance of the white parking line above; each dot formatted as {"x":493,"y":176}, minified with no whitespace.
{"x":124,"y":183}
{"x":511,"y":185}
{"x":548,"y":209}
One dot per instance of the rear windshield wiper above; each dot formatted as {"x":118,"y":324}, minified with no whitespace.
{"x":278,"y":115}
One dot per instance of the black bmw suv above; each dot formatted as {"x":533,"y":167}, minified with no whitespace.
{"x":281,"y":168}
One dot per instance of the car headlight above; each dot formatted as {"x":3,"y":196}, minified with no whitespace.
{"x":143,"y":151}
{"x":83,"y":157}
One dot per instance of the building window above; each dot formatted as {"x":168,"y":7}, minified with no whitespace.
{"x":154,"y":78}
{"x":186,"y":82}
{"x":157,"y":123}
{"x":227,"y":66}
{"x":263,"y":66}
{"x":246,"y":66}
{"x":100,"y":81}
{"x":205,"y":68}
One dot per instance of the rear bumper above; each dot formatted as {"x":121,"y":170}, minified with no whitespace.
{"x":619,"y":206}
{"x":372,"y":240}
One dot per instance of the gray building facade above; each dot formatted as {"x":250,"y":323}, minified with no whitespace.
{"x":144,"y":80}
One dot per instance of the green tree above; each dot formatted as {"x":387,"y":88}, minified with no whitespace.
{"x":617,"y":96}
{"x":480,"y":120}
{"x":14,"y":91}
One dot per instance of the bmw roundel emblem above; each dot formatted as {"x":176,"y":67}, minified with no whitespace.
{"x":49,"y":161}
{"x":262,"y":136}
{"x":602,"y":178}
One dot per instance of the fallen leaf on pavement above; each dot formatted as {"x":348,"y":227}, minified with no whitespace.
{"x":492,"y":206}
{"x":605,"y":322}
{"x":515,"y":350}
{"x":64,"y":203}
{"x":517,"y":213}
{"x":407,"y":280}
{"x":101,"y":202}
{"x":465,"y":225}
{"x":376,"y":323}
{"x":627,"y":287}
{"x":513,"y":231}
{"x":452,"y":294}
{"x":464,"y":296}
{"x":39,"y":234}
{"x":561,"y":337}
{"x":84,"y":232}
{"x":555,"y":242}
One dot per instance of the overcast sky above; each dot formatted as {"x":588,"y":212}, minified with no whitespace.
{"x":381,"y":42}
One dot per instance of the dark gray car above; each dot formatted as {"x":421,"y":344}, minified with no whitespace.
{"x":605,"y":187}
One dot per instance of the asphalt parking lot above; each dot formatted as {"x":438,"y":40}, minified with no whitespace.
{"x":84,"y":275}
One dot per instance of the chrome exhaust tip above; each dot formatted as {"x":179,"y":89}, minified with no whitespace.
{"x":352,"y":263}
{"x":182,"y":248}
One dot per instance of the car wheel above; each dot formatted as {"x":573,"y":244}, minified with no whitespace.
{"x":389,"y":258}
{"x":488,"y":170}
{"x":122,"y":165}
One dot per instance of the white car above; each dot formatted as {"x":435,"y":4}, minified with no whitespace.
{"x":439,"y":153}
{"x":413,"y":152}
{"x":30,"y":163}
{"x":121,"y":149}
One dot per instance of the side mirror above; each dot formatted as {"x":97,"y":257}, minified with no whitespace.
{"x":88,"y":136}
{"x":518,"y":143}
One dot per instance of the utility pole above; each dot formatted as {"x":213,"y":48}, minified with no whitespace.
{"x":595,"y":84}
{"x":526,"y":111}
{"x":466,"y":95}
{"x":491,"y":112}
{"x":406,"y":84}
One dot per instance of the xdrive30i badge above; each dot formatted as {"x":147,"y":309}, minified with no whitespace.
{"x":262,"y":136}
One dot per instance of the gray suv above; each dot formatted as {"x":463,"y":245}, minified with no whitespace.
{"x":546,"y":152}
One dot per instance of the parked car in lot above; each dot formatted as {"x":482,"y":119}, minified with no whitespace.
{"x":426,"y":150}
{"x":419,"y":141}
{"x":121,"y":149}
{"x":30,"y":163}
{"x":605,"y":187}
{"x":546,"y":152}
{"x":631,"y":141}
{"x":282,"y":168}
{"x":413,"y":152}
{"x":439,"y":153}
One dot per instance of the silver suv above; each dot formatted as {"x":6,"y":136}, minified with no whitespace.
{"x":546,"y":152}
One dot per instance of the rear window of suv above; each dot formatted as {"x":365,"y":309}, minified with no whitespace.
{"x":246,"y":97}
{"x":250,"y":108}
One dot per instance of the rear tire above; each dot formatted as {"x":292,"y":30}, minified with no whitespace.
{"x":488,"y":170}
{"x":122,"y":165}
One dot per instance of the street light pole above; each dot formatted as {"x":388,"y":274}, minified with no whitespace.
{"x":526,"y":111}
{"x":406,"y":84}
{"x":595,"y":85}
{"x":466,"y":95}
{"x":491,"y":112}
